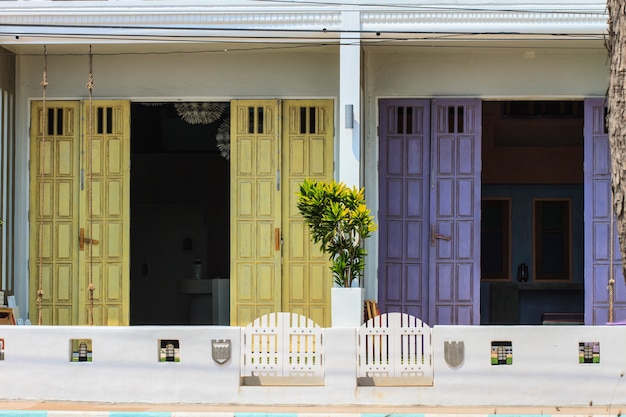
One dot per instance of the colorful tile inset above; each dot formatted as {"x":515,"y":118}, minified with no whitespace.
{"x":589,"y":352}
{"x":169,"y":350}
{"x":81,"y":350}
{"x":501,"y":353}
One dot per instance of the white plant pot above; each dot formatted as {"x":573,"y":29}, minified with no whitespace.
{"x":347,"y":307}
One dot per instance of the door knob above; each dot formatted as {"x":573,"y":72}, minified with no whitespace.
{"x":434,"y":236}
{"x":82,"y":239}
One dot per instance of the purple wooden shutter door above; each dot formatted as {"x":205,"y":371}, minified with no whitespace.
{"x":597,"y":217}
{"x":455,"y":212}
{"x":403,"y":213}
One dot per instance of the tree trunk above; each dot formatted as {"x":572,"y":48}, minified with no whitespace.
{"x":616,"y":119}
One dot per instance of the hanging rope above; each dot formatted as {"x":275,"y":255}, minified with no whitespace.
{"x":42,"y":159}
{"x":90,"y":182}
{"x":611,"y":267}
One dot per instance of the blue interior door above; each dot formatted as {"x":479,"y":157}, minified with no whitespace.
{"x":429,"y":188}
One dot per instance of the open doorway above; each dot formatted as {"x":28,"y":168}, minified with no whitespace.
{"x":532,"y":212}
{"x":180,"y":196}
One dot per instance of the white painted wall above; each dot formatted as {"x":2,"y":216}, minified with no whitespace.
{"x":496,"y":72}
{"x":185,"y":76}
{"x":125,"y":369}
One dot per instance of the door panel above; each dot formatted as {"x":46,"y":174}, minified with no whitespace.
{"x":64,"y":205}
{"x":455,"y":212}
{"x":403,"y":180}
{"x":107,"y":204}
{"x":274,"y":265}
{"x":255,"y":209}
{"x":307,"y":153}
{"x":54,"y":211}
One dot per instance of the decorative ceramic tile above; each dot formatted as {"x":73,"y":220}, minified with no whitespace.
{"x":169,"y":350}
{"x":501,"y":353}
{"x":589,"y":352}
{"x":81,"y":350}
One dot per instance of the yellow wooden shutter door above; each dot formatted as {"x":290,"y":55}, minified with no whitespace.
{"x":307,"y":153}
{"x":255,"y":209}
{"x":54,"y":215}
{"x":105,"y":204}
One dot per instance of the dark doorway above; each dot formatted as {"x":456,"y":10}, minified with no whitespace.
{"x":532,"y":212}
{"x":179,"y":212}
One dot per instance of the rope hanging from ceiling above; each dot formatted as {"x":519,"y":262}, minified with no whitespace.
{"x":90,"y":85}
{"x":42,"y":170}
{"x":611,"y":266}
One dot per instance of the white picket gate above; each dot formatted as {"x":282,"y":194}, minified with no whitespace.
{"x":395,"y":349}
{"x":282,"y":348}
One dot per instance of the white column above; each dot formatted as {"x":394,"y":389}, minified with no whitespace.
{"x":348,"y":162}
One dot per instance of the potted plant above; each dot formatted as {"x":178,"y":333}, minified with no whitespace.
{"x":339,"y":222}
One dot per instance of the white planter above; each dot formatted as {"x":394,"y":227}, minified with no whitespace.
{"x":347,"y":307}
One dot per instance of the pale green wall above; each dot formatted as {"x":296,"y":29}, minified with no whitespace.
{"x":487,"y":72}
{"x":186,"y":76}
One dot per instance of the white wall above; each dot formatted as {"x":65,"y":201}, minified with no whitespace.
{"x":185,"y":76}
{"x":125,"y":369}
{"x":487,"y":72}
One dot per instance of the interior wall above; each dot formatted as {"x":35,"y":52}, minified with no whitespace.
{"x":179,"y":212}
{"x":526,"y":158}
{"x":530,"y":150}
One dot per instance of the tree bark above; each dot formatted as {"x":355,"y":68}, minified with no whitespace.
{"x":616,"y":117}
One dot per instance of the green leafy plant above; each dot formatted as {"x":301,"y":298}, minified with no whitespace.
{"x":339,"y":221}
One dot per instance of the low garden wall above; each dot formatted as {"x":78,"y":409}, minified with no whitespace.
{"x":471,"y":366}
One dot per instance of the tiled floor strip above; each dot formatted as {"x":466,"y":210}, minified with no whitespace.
{"x":67,"y":413}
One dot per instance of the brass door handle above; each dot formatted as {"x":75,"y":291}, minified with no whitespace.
{"x":82,"y":239}
{"x":434,"y":236}
{"x":277,"y":238}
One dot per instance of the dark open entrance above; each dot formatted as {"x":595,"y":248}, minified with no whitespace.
{"x":179,"y":213}
{"x":532,"y":212}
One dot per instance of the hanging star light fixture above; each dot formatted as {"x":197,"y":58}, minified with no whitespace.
{"x":200,"y":112}
{"x":223,"y":138}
